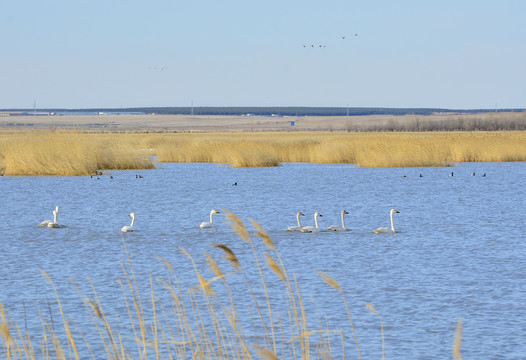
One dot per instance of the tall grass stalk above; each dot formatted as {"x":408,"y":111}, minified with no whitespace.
{"x":281,"y":271}
{"x":374,"y":312}
{"x":69,"y":335}
{"x":199,"y":322}
{"x":334,"y":284}
{"x":458,"y":341}
{"x":242,"y":231}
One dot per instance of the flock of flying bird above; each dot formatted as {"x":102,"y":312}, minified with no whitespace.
{"x":210,"y":224}
{"x":323,"y":46}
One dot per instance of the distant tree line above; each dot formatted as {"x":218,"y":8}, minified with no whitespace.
{"x":484,"y":122}
{"x":280,"y":111}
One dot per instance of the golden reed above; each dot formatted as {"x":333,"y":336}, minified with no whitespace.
{"x":166,"y":320}
{"x":383,"y":149}
{"x":68,"y":152}
{"x":199,"y":322}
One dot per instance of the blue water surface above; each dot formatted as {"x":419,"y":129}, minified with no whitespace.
{"x":459,"y":251}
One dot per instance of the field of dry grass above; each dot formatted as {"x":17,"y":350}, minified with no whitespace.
{"x":71,"y":152}
{"x":179,"y":323}
{"x":226,"y":123}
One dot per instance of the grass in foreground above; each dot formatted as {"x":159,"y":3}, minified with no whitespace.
{"x":195,"y":322}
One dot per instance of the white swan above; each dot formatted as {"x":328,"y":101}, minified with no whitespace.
{"x":54,"y":223}
{"x":338,"y":227}
{"x":313,"y":229}
{"x":296,"y":228}
{"x":210,"y":224}
{"x":385,"y":230}
{"x":46,"y":222}
{"x":129,"y":228}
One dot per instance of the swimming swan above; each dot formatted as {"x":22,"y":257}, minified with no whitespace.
{"x":54,"y":223}
{"x":296,"y":228}
{"x":210,"y":224}
{"x":384,"y":230}
{"x":338,"y":227}
{"x":46,"y":222}
{"x":129,"y":228}
{"x":313,"y":229}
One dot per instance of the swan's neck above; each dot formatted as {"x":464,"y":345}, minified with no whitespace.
{"x":133,"y":221}
{"x":392,"y":223}
{"x":211,"y":213}
{"x":316,"y":221}
{"x":343,"y":222}
{"x":298,"y":218}
{"x":55,"y":214}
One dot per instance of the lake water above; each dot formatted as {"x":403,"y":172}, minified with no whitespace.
{"x":459,"y":253}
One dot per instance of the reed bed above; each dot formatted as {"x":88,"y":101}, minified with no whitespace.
{"x":171,"y":322}
{"x":386,"y":149}
{"x":67,"y":152}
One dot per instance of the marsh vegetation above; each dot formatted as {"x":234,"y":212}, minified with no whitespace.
{"x":70,"y":152}
{"x":169,"y":321}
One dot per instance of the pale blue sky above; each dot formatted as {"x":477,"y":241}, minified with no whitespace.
{"x":460,"y":54}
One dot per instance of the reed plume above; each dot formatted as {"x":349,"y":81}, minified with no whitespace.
{"x":263,"y":234}
{"x":237,"y":225}
{"x":207,"y":324}
{"x":230,"y":256}
{"x":273,"y":265}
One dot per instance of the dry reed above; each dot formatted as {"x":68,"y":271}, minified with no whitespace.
{"x":458,"y":341}
{"x":68,"y":152}
{"x":184,"y":323}
{"x":374,"y":312}
{"x":206,"y":326}
{"x":387,"y":149}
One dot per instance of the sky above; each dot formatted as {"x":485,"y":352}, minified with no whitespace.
{"x":451,"y":54}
